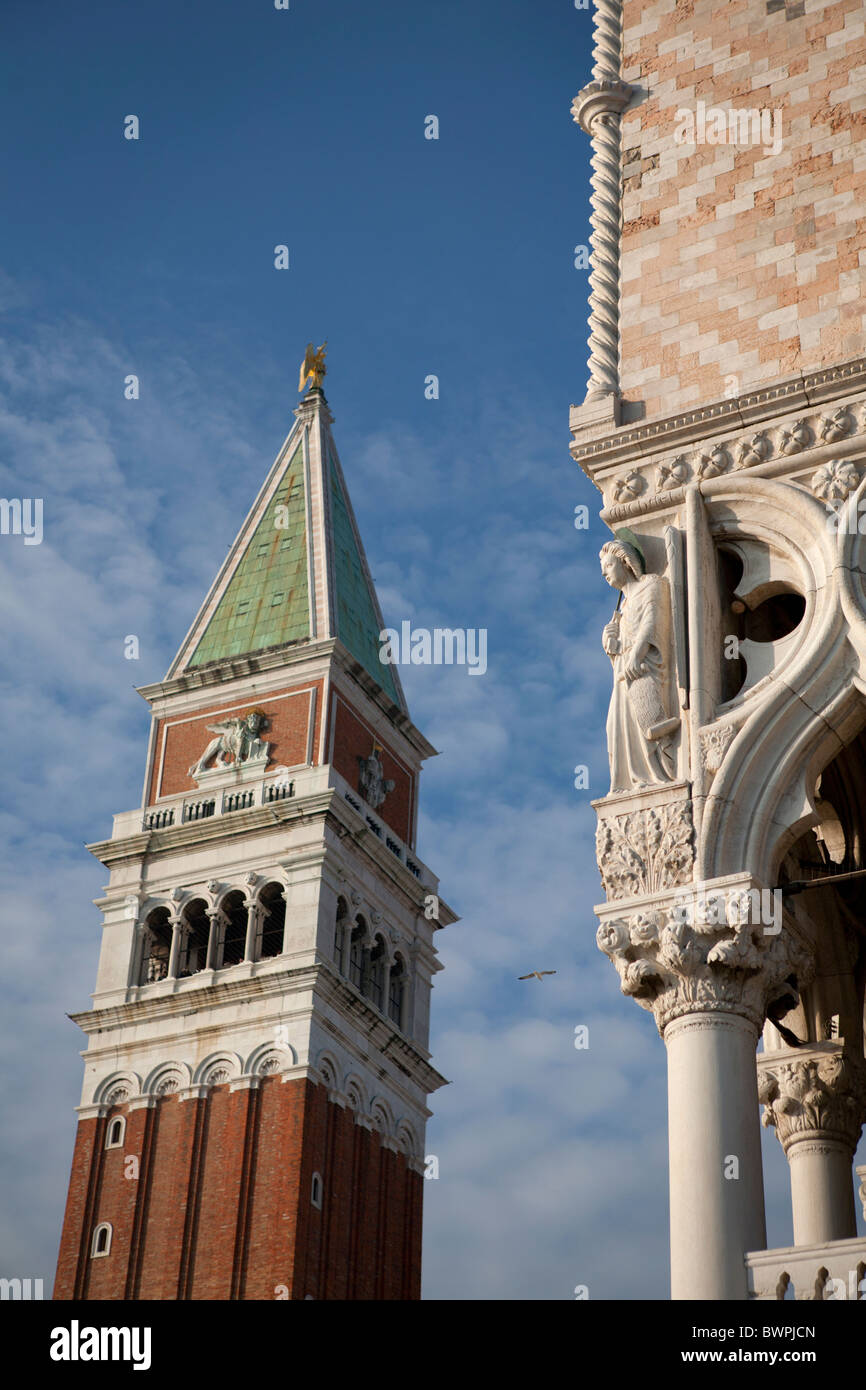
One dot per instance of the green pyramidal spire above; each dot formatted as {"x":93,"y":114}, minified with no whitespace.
{"x":297,"y":570}
{"x":267,"y":598}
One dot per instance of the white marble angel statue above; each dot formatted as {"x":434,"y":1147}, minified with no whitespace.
{"x":637,"y":640}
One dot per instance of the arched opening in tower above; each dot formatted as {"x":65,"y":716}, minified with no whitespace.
{"x":274,"y":921}
{"x":196,"y":935}
{"x":235,"y":913}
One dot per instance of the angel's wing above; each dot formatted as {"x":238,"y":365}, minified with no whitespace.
{"x":222,"y":727}
{"x":306,"y":366}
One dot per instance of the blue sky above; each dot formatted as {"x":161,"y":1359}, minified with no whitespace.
{"x":411,"y":257}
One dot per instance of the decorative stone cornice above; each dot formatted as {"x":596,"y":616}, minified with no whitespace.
{"x":809,"y":392}
{"x":301,"y":650}
{"x":327,"y":805}
{"x":814,"y":1096}
{"x":811,"y":450}
{"x":675,"y":967}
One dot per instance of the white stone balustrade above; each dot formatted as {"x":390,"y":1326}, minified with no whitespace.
{"x":230,"y":794}
{"x":833,"y":1272}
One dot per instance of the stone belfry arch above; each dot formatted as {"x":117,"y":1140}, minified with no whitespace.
{"x":725,"y":426}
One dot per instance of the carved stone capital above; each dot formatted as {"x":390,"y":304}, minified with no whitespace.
{"x":816,"y":1095}
{"x":598,"y":98}
{"x":676,"y":963}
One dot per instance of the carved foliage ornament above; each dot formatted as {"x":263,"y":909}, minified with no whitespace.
{"x":833,"y":481}
{"x":646,"y":850}
{"x":837,"y":425}
{"x":714,"y":745}
{"x":673,"y":967}
{"x":836,"y":480}
{"x":672,"y":474}
{"x":754,"y":450}
{"x":628,"y":488}
{"x":711,"y":464}
{"x":820,"y":1096}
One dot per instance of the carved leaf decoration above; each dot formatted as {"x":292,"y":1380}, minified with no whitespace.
{"x":645,"y":851}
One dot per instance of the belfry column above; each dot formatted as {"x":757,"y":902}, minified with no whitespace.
{"x":816,"y":1100}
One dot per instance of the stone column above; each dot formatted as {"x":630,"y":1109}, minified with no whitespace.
{"x":216,"y":920}
{"x":177,"y":930}
{"x":252,"y":929}
{"x":286,"y":897}
{"x":816,"y":1100}
{"x":716,"y":1178}
{"x":708,"y":978}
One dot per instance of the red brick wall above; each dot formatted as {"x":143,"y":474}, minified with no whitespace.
{"x":169,"y":1199}
{"x":221,"y":1207}
{"x":736,"y":260}
{"x":81,"y":1200}
{"x":179,"y":743}
{"x":353,"y":739}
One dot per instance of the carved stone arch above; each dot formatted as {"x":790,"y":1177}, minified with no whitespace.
{"x":152,"y":904}
{"x":383,"y":1117}
{"x":217,"y":1069}
{"x":266,"y":878}
{"x":773,"y":768}
{"x":794,"y":708}
{"x":356,"y":1093}
{"x":783,"y":536}
{"x":226,"y":890}
{"x":406,"y":1140}
{"x":329,"y":1070}
{"x":152,"y":951}
{"x":167,"y":1079}
{"x":391,"y":945}
{"x":117,"y":1088}
{"x":271,"y":909}
{"x":851,"y":575}
{"x":270,"y":1058}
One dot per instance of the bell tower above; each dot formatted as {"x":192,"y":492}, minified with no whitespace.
{"x":256,"y":1073}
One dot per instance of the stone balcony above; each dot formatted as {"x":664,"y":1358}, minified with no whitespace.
{"x":227,"y":792}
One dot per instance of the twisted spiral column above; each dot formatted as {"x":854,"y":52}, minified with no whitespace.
{"x":597,"y":109}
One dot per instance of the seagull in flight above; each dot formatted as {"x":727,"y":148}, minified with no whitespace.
{"x":536,"y":974}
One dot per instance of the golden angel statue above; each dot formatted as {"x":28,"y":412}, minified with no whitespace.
{"x":313,"y":366}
